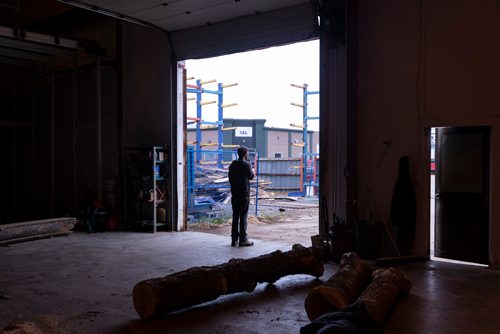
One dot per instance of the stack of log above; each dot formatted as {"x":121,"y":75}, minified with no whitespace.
{"x":201,"y":284}
{"x":354,"y":297}
{"x":36,"y":229}
{"x":355,"y":288}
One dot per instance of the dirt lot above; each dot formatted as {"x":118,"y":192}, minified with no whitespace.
{"x":277,"y":220}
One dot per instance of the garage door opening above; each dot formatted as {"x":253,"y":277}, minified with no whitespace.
{"x":459,"y":216}
{"x":268,"y":101}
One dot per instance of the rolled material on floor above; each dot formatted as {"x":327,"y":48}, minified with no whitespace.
{"x":380,"y":296}
{"x":340,"y":290}
{"x":201,"y":284}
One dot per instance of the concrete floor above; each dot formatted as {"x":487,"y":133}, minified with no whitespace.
{"x":82,"y":283}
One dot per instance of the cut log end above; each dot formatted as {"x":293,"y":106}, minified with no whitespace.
{"x":144,"y":300}
{"x":341,"y":289}
{"x":323,"y":300}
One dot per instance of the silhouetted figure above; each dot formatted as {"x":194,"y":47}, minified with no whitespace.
{"x":240,"y":174}
{"x":404,"y":208}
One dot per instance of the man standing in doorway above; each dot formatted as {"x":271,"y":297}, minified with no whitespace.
{"x":240,"y":174}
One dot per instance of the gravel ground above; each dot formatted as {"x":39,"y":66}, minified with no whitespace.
{"x":277,"y":220}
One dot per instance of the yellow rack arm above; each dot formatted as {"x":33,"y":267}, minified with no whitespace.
{"x":229,"y":129}
{"x":297,"y":167}
{"x":298,"y":144}
{"x":297,"y":126}
{"x":207,"y":102}
{"x":230,"y":145}
{"x":229,"y":85}
{"x":191,"y":99}
{"x":297,"y":104}
{"x":190,"y":78}
{"x":297,"y":86}
{"x":209,"y":144}
{"x":207,"y":81}
{"x":208,"y":127}
{"x":207,"y":162}
{"x":192,"y":142}
{"x":227,"y":105}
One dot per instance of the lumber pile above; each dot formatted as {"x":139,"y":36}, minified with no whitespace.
{"x":213,"y":182}
{"x":201,"y":284}
{"x":36,"y":229}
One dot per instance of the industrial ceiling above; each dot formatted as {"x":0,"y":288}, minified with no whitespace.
{"x":174,"y":15}
{"x":200,"y":28}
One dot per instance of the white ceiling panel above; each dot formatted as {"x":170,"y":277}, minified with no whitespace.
{"x":173,"y":15}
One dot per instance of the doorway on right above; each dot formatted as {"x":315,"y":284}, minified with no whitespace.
{"x":460,"y":178}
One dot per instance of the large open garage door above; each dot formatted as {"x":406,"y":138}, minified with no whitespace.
{"x":259,"y":106}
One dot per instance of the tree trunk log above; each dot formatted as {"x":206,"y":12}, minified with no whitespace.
{"x":383,"y":292}
{"x":342,"y":289}
{"x":10,"y":233}
{"x":201,"y":284}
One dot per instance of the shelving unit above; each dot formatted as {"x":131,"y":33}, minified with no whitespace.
{"x":146,"y":170}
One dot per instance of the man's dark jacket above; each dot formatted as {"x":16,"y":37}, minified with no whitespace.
{"x":240,"y":174}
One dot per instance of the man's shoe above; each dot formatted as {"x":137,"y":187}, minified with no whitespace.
{"x":246,"y":243}
{"x":233,"y":243}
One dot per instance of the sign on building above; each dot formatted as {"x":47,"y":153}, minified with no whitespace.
{"x":243,"y":131}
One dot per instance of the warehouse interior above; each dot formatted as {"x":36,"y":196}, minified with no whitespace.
{"x":82,"y":81}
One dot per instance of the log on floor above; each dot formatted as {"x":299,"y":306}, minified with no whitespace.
{"x":340,"y":290}
{"x":201,"y":284}
{"x":36,"y":229}
{"x":381,"y":295}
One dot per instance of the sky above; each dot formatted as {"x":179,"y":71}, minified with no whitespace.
{"x":263,"y":78}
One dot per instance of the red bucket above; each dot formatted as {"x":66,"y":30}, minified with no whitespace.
{"x":112,"y":223}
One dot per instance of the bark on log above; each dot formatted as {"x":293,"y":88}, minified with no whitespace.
{"x":340,"y":290}
{"x":201,"y":284}
{"x":10,"y":233}
{"x":383,"y":292}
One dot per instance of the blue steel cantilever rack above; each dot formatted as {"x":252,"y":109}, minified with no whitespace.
{"x":199,"y":90}
{"x":306,"y":146}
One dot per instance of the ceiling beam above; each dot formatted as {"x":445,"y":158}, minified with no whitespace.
{"x":35,"y":47}
{"x":24,"y":55}
{"x":38,"y":38}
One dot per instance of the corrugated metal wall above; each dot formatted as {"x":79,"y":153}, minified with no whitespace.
{"x":280,"y":173}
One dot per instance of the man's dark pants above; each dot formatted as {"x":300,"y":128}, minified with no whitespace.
{"x":240,"y":215}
